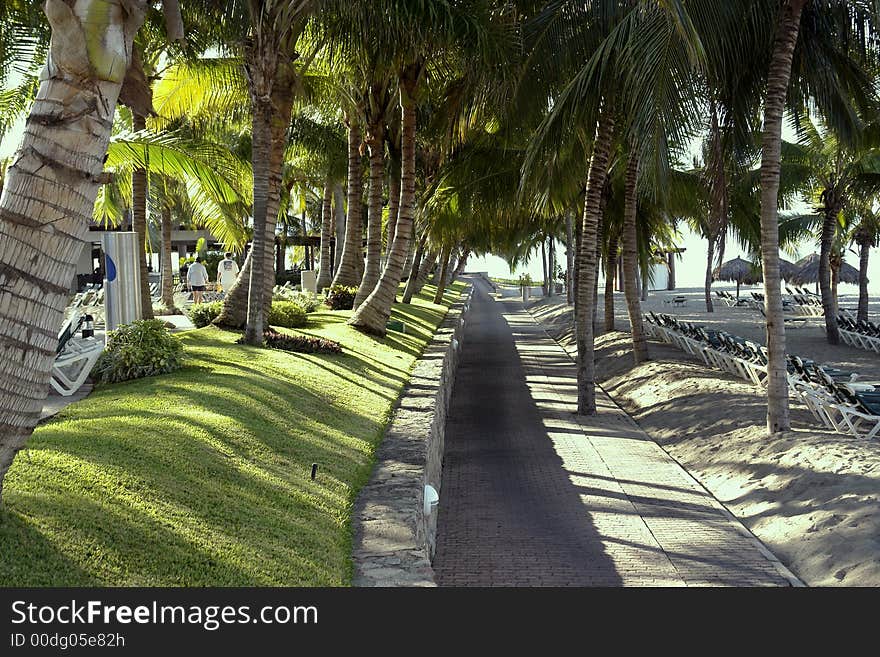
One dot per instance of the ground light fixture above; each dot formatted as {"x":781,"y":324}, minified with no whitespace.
{"x":432,"y":499}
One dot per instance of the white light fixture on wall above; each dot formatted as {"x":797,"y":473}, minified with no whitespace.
{"x":432,"y":499}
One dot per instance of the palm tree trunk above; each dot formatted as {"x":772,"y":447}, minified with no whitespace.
{"x":441,"y":278}
{"x":610,"y":268}
{"x":393,"y":186}
{"x":835,"y":279}
{"x":459,"y":268}
{"x":829,"y":228}
{"x":428,"y":264}
{"x":325,"y":275}
{"x":544,"y":266}
{"x":271,"y":114}
{"x":717,"y":197}
{"x":376,"y":144}
{"x":569,"y":259}
{"x":707,"y":287}
{"x":774,"y":102}
{"x":376,"y":309}
{"x":235,"y":305}
{"x":348,"y":272}
{"x":552,"y":257}
{"x":257,"y":320}
{"x":412,"y":280}
{"x":338,"y":226}
{"x":393,"y":209}
{"x":280,"y":250}
{"x":864,"y":252}
{"x":599,"y":239}
{"x":48,"y":196}
{"x":139,"y":195}
{"x":586,"y":367}
{"x":167,"y":274}
{"x":631,"y":260}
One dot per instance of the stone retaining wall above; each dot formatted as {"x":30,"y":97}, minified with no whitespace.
{"x":393,"y":538}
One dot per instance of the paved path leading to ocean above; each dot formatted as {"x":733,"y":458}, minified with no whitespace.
{"x":534,"y":495}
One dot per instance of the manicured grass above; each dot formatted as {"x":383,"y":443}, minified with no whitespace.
{"x":202,"y":477}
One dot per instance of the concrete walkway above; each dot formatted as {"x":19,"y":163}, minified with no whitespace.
{"x":534,"y":495}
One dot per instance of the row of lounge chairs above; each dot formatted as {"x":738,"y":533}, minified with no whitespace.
{"x":837,"y":399}
{"x":742,"y":358}
{"x":75,"y":355}
{"x":834,"y":397}
{"x":727,"y":298}
{"x":805,"y":302}
{"x":861,"y":334}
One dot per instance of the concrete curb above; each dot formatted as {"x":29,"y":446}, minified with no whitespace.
{"x":393,"y":536}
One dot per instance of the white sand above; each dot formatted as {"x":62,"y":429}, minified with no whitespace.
{"x":811,"y":496}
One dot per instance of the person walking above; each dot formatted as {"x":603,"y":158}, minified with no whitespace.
{"x":197,"y":277}
{"x":227,"y":272}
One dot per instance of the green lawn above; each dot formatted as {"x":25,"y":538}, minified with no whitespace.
{"x":201,"y":477}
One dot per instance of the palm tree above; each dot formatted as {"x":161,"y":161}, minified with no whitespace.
{"x":420,"y":37}
{"x":844,"y":180}
{"x":866,"y":233}
{"x":48,"y":196}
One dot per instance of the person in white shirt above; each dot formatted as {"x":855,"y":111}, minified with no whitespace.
{"x":227,"y":272}
{"x":197,"y":277}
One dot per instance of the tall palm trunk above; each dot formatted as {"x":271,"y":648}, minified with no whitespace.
{"x":139,"y":193}
{"x":829,"y":299}
{"x":717,"y":198}
{"x":586,"y":368}
{"x":569,"y":259}
{"x":610,"y":268}
{"x":167,"y":274}
{"x":707,"y":284}
{"x":774,"y":102}
{"x":631,"y":259}
{"x":441,"y":276}
{"x":48,"y":196}
{"x":376,"y":144}
{"x":864,"y":252}
{"x":338,"y":225}
{"x":428,"y":264}
{"x":233,"y":315}
{"x":325,"y":275}
{"x":393,"y":194}
{"x":412,"y":280}
{"x":376,"y":309}
{"x":271,"y":89}
{"x":459,"y":268}
{"x":544,"y":266}
{"x":348,"y":272}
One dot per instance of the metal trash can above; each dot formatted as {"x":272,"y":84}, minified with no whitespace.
{"x":122,"y":280}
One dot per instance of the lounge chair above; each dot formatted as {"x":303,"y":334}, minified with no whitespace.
{"x":75,"y":357}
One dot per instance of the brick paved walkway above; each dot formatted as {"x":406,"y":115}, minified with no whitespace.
{"x":533,"y":495}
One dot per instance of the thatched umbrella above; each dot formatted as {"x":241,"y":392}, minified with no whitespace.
{"x":786,"y":270}
{"x":737,"y":271}
{"x":808,"y":272}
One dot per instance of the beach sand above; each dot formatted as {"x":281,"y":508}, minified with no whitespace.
{"x":809,"y":495}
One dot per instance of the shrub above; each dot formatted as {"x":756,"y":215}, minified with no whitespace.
{"x":202,"y":314}
{"x":143,"y":348}
{"x":306,"y":300}
{"x":287,"y":314}
{"x":341,"y":297}
{"x":302,"y":344}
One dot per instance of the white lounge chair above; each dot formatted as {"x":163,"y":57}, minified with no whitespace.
{"x":75,"y":357}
